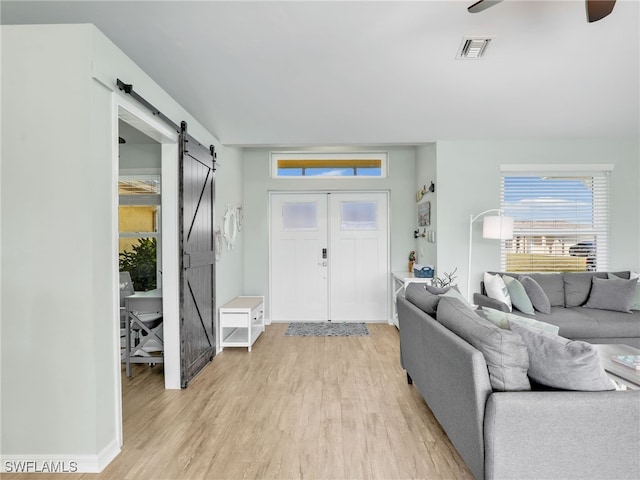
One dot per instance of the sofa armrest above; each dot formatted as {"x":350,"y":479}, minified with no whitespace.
{"x":569,"y":435}
{"x":484,"y":301}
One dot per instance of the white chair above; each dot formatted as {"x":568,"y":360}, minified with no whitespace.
{"x":141,"y":332}
{"x":126,"y":289}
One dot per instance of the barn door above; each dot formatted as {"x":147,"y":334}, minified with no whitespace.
{"x":197,"y":272}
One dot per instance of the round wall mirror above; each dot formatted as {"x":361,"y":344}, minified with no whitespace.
{"x":230,"y":227}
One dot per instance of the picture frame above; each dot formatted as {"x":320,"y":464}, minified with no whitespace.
{"x":424,"y":214}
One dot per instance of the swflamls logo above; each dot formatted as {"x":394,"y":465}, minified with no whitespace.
{"x":38,"y":466}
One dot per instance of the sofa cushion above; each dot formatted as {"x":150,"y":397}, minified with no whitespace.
{"x":635,"y":304}
{"x":577,"y":286}
{"x":502,"y":319}
{"x":519,"y":297}
{"x":553,"y":286}
{"x":612,"y":294}
{"x":497,"y":289}
{"x":536,"y":294}
{"x":503,"y":350}
{"x":558,"y":362}
{"x":417,"y":294}
{"x":608,"y":324}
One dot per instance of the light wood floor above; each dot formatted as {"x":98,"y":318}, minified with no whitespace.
{"x":295,"y":407}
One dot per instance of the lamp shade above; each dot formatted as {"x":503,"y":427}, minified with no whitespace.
{"x":497,"y":226}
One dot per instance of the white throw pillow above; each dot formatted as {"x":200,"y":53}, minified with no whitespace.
{"x":496,"y":289}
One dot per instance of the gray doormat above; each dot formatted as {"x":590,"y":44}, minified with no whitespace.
{"x":326,"y":329}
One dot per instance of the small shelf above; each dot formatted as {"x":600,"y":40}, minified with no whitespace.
{"x":241,"y":321}
{"x":399,"y":283}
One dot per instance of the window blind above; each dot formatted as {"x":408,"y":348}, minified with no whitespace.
{"x":561,"y":220}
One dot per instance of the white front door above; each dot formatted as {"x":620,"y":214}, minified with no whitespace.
{"x":298,"y":269}
{"x":358,"y":256}
{"x":329,"y":257}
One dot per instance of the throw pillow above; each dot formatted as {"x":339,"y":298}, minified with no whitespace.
{"x":502,"y":319}
{"x":612,"y":294}
{"x":519,"y":297}
{"x":496,"y":289}
{"x":421,"y":298}
{"x":503,"y":351}
{"x":558,"y":362}
{"x":577,"y":286}
{"x":537,"y":296}
{"x":635,"y":304}
{"x":552,"y":285}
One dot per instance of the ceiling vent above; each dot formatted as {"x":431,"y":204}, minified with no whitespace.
{"x":473,"y":48}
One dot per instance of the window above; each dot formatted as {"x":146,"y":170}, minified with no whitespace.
{"x":329,"y":165}
{"x":300,"y":216}
{"x":359,"y":216}
{"x":561,"y":218}
{"x":139,"y":229}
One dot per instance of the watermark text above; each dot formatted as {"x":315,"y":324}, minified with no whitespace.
{"x":40,"y":466}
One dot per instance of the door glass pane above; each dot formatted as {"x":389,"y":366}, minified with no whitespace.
{"x":359,"y":216}
{"x":300,"y":216}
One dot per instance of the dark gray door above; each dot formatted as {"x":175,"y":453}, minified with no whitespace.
{"x":197,"y":282}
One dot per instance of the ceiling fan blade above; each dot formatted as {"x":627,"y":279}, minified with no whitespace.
{"x":482,"y":5}
{"x":598,"y":9}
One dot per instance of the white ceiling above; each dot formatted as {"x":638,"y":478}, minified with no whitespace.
{"x":366,"y":73}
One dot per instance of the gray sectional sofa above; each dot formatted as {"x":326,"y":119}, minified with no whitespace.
{"x":535,"y":434}
{"x":568,"y":293}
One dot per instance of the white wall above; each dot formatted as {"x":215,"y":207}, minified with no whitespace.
{"x":140,"y":159}
{"x":426,"y":172}
{"x":258,"y":182}
{"x":49,"y":386}
{"x":229,"y":191}
{"x":60,"y":367}
{"x":469,"y":183}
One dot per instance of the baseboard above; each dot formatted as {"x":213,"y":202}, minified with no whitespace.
{"x":60,"y":463}
{"x":108,"y":453}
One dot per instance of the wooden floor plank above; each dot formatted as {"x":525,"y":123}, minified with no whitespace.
{"x":295,"y":407}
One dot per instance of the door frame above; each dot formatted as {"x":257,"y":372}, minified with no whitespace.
{"x":329,"y":191}
{"x":141,"y":119}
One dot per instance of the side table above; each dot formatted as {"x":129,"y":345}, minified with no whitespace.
{"x":241,"y":322}
{"x":400,"y":280}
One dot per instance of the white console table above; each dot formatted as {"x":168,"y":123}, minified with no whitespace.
{"x":400,"y":281}
{"x":241,"y":322}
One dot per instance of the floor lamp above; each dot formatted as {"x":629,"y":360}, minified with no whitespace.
{"x":493,"y":226}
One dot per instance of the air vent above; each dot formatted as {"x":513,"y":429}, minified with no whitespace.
{"x":473,"y":48}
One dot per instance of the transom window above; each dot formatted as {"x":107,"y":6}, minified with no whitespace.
{"x":561,"y":218}
{"x":329,"y":165}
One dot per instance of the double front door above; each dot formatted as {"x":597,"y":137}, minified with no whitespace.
{"x":329,"y":257}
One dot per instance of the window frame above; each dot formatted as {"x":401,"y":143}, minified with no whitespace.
{"x":336,"y":157}
{"x":600,"y":223}
{"x":145,"y":200}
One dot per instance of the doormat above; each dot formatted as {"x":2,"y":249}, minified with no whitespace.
{"x":326,"y":329}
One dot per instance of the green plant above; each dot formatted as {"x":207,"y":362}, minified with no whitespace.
{"x":140,"y":262}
